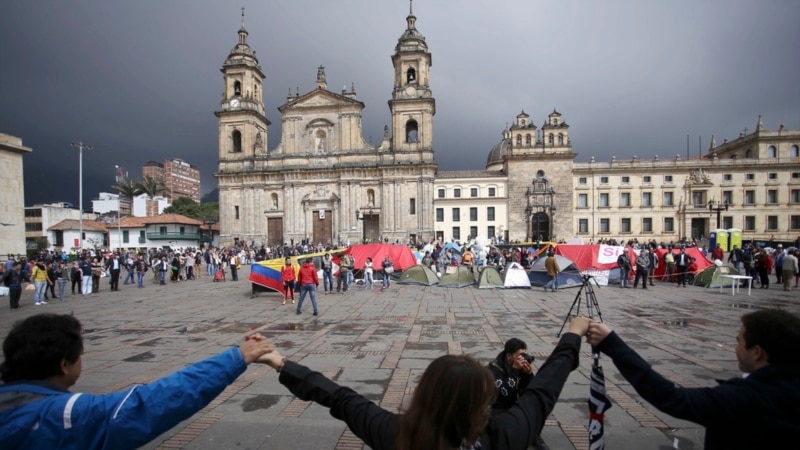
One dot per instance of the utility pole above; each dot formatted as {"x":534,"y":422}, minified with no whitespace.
{"x":80,"y":146}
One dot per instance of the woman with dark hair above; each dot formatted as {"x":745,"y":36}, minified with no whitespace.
{"x":451,"y":405}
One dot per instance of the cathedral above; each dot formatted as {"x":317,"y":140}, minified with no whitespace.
{"x":324,"y":183}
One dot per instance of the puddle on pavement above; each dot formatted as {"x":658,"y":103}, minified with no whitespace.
{"x":94,"y":337}
{"x":146,"y":356}
{"x":259,"y":402}
{"x":436,"y":346}
{"x":684,"y":322}
{"x":744,"y":306}
{"x":296,"y":326}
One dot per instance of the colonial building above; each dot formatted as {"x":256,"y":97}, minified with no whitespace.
{"x":323,"y":182}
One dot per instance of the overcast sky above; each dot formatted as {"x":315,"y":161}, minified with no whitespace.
{"x":140,"y":80}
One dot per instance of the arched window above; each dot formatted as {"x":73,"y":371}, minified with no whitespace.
{"x":795,"y":152}
{"x":411,"y":75}
{"x":550,"y":138}
{"x":412,"y":131}
{"x":772,"y":152}
{"x":748,"y":154}
{"x":560,"y":139}
{"x":237,"y":88}
{"x":237,"y":141}
{"x":519,"y":140}
{"x":528,"y":140}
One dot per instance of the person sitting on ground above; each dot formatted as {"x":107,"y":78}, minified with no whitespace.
{"x":43,"y":360}
{"x":758,"y":410}
{"x":450,"y":406}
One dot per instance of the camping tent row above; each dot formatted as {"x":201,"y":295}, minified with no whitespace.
{"x":575,"y":262}
{"x":515,"y":276}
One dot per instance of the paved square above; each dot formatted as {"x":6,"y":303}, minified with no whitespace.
{"x":380,"y":342}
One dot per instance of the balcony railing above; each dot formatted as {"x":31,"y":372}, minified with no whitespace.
{"x":173,"y":236}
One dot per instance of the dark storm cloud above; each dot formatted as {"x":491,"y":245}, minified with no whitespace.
{"x":140,"y":80}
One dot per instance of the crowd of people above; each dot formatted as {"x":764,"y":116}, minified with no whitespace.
{"x":53,"y":275}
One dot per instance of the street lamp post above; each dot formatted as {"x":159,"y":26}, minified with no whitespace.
{"x":80,"y":146}
{"x":719,"y":208}
{"x":118,"y":179}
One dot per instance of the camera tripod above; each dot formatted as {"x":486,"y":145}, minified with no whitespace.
{"x":586,"y":292}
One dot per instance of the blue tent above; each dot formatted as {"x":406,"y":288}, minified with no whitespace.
{"x":455,"y":251}
{"x":569,"y":276}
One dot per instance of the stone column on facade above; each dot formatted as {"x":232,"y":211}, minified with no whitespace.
{"x":529,"y":225}
{"x":344,"y":217}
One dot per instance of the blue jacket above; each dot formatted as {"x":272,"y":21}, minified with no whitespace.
{"x":40,"y":415}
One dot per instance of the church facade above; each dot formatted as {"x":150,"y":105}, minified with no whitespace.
{"x":324,"y":183}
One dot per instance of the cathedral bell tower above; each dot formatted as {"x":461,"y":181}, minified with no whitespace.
{"x":242,"y":122}
{"x":412,"y":104}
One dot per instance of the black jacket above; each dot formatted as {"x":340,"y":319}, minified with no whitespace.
{"x":509,"y":381}
{"x":760,"y":411}
{"x":14,"y":278}
{"x":514,"y":428}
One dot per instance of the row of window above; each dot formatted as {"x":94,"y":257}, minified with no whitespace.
{"x":473,"y":232}
{"x":473,"y":214}
{"x":551,"y":139}
{"x":668,"y":226}
{"x":647,"y":179}
{"x":699,"y":198}
{"x":473,"y":192}
{"x":772,"y":152}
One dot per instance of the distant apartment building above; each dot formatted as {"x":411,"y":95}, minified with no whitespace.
{"x":12,"y":194}
{"x":181,"y":178}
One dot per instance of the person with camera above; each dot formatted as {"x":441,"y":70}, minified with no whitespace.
{"x":513,"y":371}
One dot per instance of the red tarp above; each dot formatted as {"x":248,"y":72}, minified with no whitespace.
{"x":401,"y":256}
{"x":592,"y":257}
{"x":699,"y":260}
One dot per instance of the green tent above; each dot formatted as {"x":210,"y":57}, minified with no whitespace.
{"x":490,"y":278}
{"x":710,"y":277}
{"x":457,"y":276}
{"x":419,"y":275}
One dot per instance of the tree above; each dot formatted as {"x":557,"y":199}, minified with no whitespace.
{"x":151,"y":187}
{"x":127,"y":189}
{"x":185,"y":206}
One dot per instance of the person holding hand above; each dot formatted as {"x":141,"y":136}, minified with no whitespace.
{"x":43,"y":359}
{"x":758,"y":410}
{"x":451,"y":404}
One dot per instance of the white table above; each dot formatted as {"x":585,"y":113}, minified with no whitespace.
{"x":735,"y":283}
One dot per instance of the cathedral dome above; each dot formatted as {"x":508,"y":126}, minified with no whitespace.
{"x":498,"y":152}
